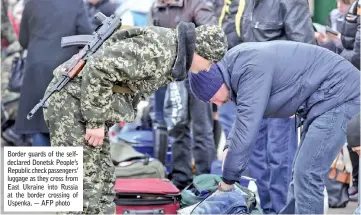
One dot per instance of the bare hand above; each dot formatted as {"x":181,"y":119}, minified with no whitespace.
{"x":321,"y":38}
{"x":334,"y":37}
{"x":95,"y":136}
{"x":225,"y":187}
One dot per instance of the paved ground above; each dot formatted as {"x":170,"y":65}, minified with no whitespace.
{"x":351,"y":207}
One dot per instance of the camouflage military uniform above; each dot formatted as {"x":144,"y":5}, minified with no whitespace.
{"x":141,"y":59}
{"x":7,"y":31}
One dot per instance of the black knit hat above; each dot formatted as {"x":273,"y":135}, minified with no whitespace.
{"x":206,"y":83}
{"x":353,"y":131}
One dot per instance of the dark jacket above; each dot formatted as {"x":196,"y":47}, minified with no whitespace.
{"x":350,"y":35}
{"x":278,"y":79}
{"x":43,"y":24}
{"x":265,"y":20}
{"x":169,"y":15}
{"x":105,"y":6}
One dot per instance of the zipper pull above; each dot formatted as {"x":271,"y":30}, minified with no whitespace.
{"x":256,"y":24}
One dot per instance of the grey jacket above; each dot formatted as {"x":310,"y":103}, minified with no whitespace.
{"x":266,"y":20}
{"x":169,"y":15}
{"x":278,"y":79}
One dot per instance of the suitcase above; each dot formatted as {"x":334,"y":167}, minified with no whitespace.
{"x":146,"y":196}
{"x":142,"y":141}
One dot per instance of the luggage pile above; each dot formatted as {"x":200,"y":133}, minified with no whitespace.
{"x":142,"y":186}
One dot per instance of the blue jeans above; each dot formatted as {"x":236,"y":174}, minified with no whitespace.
{"x":271,"y":160}
{"x":321,"y":140}
{"x":41,"y":139}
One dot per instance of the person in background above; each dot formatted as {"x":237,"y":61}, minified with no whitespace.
{"x":8,"y":35}
{"x":276,"y":144}
{"x":336,"y":15}
{"x":335,"y":19}
{"x":353,"y":141}
{"x":168,"y":14}
{"x":107,"y":7}
{"x":9,"y":100}
{"x":350,"y":37}
{"x":350,"y":34}
{"x":43,"y":24}
{"x":346,"y":19}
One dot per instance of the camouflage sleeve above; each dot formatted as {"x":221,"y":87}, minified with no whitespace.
{"x":7,"y":31}
{"x":117,"y":61}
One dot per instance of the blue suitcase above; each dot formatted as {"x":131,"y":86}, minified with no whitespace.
{"x":142,"y":141}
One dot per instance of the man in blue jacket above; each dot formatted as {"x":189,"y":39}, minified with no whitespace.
{"x":280,"y":79}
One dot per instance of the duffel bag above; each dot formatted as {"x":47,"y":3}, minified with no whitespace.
{"x":132,"y":164}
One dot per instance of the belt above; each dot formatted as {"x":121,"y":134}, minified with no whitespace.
{"x":121,"y":89}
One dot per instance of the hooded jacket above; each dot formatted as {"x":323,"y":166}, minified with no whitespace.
{"x":279,"y":79}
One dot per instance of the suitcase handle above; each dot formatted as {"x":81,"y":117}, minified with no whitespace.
{"x":154,"y":211}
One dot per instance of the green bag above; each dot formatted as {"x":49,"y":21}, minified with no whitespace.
{"x":132,"y":164}
{"x":204,"y":184}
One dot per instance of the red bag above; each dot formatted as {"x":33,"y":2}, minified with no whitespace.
{"x":146,"y":196}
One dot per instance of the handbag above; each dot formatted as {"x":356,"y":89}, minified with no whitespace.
{"x":337,"y":184}
{"x":17,"y":71}
{"x":339,"y":173}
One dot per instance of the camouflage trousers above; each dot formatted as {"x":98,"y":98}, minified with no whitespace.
{"x":62,"y":117}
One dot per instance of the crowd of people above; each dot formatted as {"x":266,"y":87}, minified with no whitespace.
{"x":261,"y":120}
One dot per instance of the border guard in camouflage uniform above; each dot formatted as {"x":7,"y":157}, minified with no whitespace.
{"x":129,"y":66}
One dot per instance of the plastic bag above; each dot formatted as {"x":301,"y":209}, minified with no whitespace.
{"x":176,"y":105}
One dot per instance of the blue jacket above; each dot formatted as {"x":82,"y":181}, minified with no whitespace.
{"x":278,"y":79}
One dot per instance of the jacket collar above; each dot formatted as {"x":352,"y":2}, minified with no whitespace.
{"x":227,"y":80}
{"x":186,"y":44}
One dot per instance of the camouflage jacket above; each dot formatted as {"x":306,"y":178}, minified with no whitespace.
{"x":142,"y":59}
